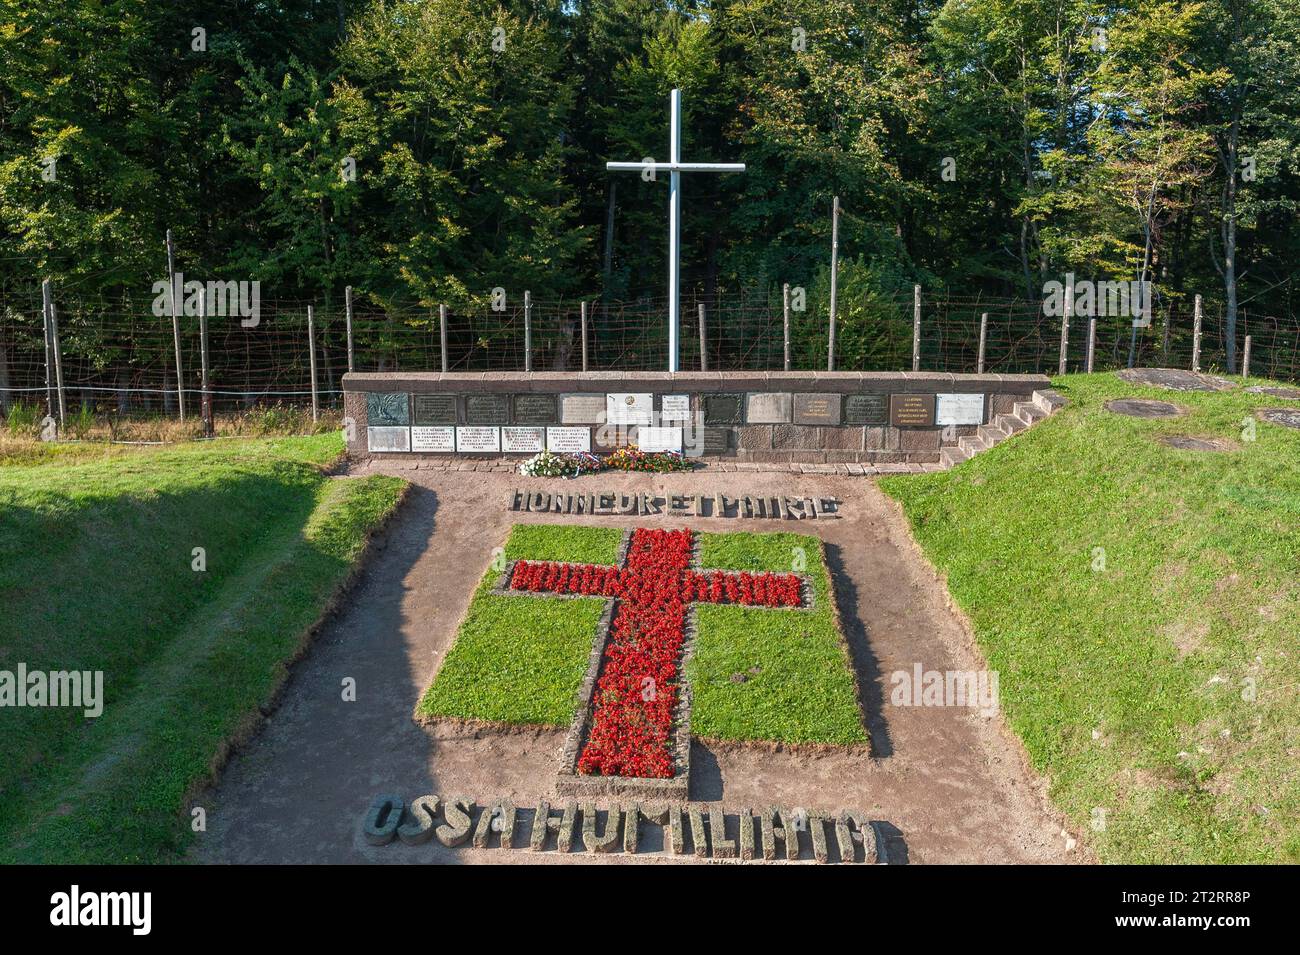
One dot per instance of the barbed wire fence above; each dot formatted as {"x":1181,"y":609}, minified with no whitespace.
{"x":121,"y":358}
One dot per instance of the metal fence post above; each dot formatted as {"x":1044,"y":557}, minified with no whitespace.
{"x":442,"y":334}
{"x":205,"y":397}
{"x":311,"y":352}
{"x":984,"y":334}
{"x":785,"y":325}
{"x":1092,"y":341}
{"x":916,"y":328}
{"x":1245,"y":359}
{"x":528,"y":331}
{"x":704,"y":340}
{"x":584,"y":336}
{"x":835,"y":262}
{"x":1196,"y":335}
{"x":347,"y":298}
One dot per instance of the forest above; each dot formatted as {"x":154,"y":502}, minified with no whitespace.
{"x":427,"y":151}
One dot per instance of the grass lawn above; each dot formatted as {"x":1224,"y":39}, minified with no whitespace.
{"x":521,"y":659}
{"x":1141,"y":605}
{"x":96,"y":554}
{"x":804,"y":691}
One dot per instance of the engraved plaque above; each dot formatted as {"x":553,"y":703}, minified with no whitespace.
{"x":437,"y":439}
{"x":478,"y":440}
{"x":959,"y":409}
{"x":675,"y":408}
{"x":717,"y":440}
{"x":866,"y":409}
{"x":767,"y":407}
{"x":521,"y":440}
{"x":722,"y":409}
{"x":434,"y":409}
{"x":486,"y":409}
{"x":625,"y":408}
{"x":911,"y":411}
{"x":534,"y":409}
{"x":582,"y":409}
{"x":387,"y":409}
{"x":568,"y":440}
{"x":659,"y":439}
{"x":388,"y":439}
{"x":817,"y":409}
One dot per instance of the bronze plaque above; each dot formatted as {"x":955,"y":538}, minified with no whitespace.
{"x":911,"y":411}
{"x":866,"y":409}
{"x":435,"y":409}
{"x":486,"y":409}
{"x":535,"y":409}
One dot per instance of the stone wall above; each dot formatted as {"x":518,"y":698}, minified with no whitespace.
{"x":763,"y":417}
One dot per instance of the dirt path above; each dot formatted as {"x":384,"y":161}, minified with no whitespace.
{"x":951,"y":786}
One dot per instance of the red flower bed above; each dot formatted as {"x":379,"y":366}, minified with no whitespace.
{"x":636,"y":696}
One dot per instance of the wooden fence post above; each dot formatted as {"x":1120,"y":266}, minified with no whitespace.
{"x":916,"y":328}
{"x":1092,"y":341}
{"x":53,"y":314}
{"x":584,"y":336}
{"x":1066,"y":314}
{"x":347,"y":298}
{"x":1245,"y":359}
{"x":785,"y":326}
{"x":704,"y":341}
{"x":1196,"y":335}
{"x":528,"y":331}
{"x":176,"y":326}
{"x":205,"y":395}
{"x":442,"y":334}
{"x":311,"y":352}
{"x":984,"y":335}
{"x":49,"y":349}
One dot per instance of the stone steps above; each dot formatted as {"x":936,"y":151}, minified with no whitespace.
{"x":1023,"y":415}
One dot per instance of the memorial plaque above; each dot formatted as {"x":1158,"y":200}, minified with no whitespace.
{"x":675,"y":408}
{"x":722,"y":409}
{"x":534,"y":409}
{"x":568,"y":440}
{"x":659,"y":439}
{"x":387,"y":409}
{"x":958,"y":409}
{"x":767,"y":407}
{"x":478,"y":440}
{"x":817,"y":409}
{"x":582,"y":409}
{"x":434,"y":409}
{"x":486,"y":409}
{"x":438,"y":439}
{"x":911,"y":411}
{"x":866,"y":409}
{"x":625,"y":408}
{"x":522,"y":440}
{"x":717,"y":440}
{"x":388,"y":439}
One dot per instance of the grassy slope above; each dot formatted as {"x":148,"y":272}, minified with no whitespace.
{"x":804,"y":692}
{"x":95,"y":573}
{"x":1131,"y":686}
{"x":520,"y":659}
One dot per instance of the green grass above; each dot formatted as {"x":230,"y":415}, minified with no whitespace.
{"x":1131,"y":685}
{"x":95,"y":574}
{"x":803,"y":690}
{"x":521,"y":659}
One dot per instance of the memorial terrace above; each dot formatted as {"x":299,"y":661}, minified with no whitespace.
{"x":746,"y":416}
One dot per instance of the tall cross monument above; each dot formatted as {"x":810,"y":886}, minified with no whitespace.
{"x":675,"y":167}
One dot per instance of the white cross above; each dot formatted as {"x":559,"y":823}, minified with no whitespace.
{"x":676,"y":167}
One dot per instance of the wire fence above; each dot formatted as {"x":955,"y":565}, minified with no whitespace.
{"x":122,"y":358}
